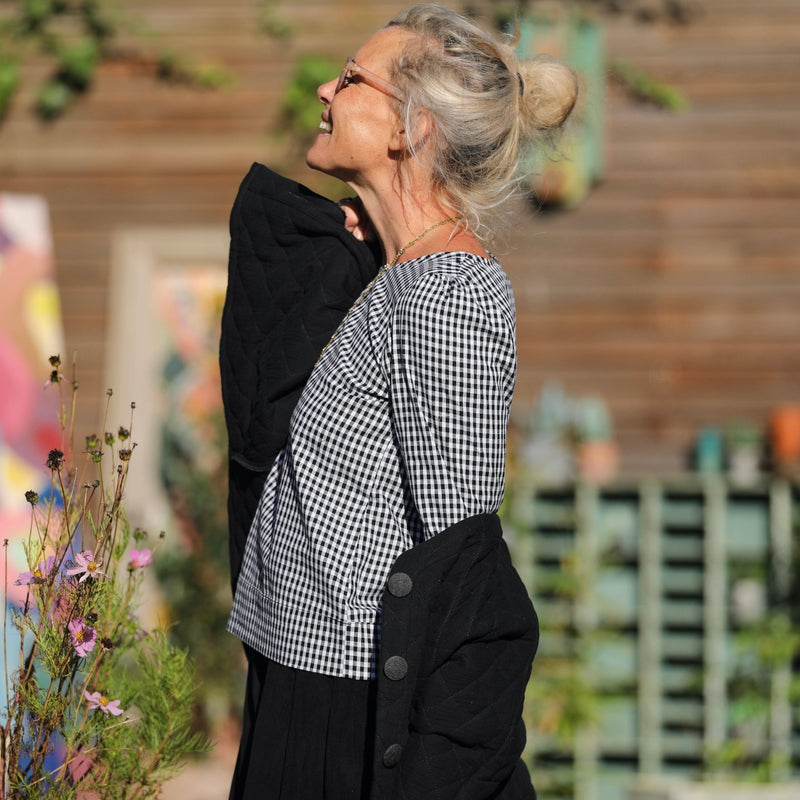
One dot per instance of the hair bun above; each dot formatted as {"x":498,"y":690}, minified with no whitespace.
{"x":550,"y":90}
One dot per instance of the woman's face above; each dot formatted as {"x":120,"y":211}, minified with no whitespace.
{"x":359,"y":123}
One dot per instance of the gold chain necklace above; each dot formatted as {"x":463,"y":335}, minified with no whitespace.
{"x":383,"y":269}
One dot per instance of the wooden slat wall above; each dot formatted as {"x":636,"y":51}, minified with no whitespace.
{"x":672,"y":290}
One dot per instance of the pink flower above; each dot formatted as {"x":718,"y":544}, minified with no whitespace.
{"x":38,"y":575}
{"x":87,"y":566}
{"x":97,"y":700}
{"x":83,"y":637}
{"x":78,"y":767}
{"x":141,"y":558}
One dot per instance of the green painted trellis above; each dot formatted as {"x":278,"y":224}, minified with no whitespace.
{"x":649,"y":622}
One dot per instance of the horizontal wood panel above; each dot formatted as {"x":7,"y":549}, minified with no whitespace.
{"x":678,"y":326}
{"x":672,"y":290}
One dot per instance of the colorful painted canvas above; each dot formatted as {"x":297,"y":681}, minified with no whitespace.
{"x":30,"y":332}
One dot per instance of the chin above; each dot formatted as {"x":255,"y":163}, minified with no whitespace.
{"x":311,"y":162}
{"x":315,"y":158}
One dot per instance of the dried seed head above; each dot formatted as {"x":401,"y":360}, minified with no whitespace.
{"x":31,"y":497}
{"x":55,"y":459}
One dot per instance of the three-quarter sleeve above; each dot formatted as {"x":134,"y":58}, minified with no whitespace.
{"x":451,"y":364}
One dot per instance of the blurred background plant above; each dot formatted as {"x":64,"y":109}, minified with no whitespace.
{"x":299,"y":106}
{"x":193,"y":573}
{"x":194,"y":576}
{"x":74,"y":37}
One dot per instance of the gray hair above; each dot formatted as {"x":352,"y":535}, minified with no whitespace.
{"x":486,"y":107}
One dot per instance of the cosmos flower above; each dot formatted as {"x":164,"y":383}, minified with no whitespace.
{"x":38,"y":575}
{"x":141,"y":558}
{"x":87,"y":566}
{"x":97,"y":700}
{"x":83,"y":637}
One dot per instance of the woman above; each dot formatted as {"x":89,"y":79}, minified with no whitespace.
{"x":390,"y":640}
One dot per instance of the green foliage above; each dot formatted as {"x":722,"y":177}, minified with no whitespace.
{"x":677,"y":12}
{"x":270,"y":22}
{"x":643,"y":86}
{"x":118,"y":699}
{"x":53,"y":98}
{"x":9,"y":81}
{"x":560,"y":700}
{"x":160,"y":691}
{"x":75,"y":37}
{"x":176,"y":68}
{"x":77,"y":63}
{"x":300,"y":107}
{"x":194,"y":577}
{"x":760,"y":650}
{"x":70,"y":34}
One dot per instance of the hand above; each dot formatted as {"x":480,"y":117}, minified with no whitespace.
{"x":356,"y":220}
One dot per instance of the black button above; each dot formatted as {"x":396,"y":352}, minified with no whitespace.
{"x":395,"y":668}
{"x":392,"y":755}
{"x":400,"y":584}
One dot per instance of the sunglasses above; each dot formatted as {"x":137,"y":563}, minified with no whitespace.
{"x":351,"y":70}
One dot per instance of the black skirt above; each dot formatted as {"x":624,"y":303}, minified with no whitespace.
{"x":304,"y":736}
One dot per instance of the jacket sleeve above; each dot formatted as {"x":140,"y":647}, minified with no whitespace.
{"x":293,"y":271}
{"x":458,"y":637}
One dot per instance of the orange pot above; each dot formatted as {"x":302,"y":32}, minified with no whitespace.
{"x":785,"y":433}
{"x":598,"y":461}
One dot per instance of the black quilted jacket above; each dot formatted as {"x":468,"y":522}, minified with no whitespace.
{"x":293,"y":273}
{"x":459,"y":632}
{"x":458,"y":638}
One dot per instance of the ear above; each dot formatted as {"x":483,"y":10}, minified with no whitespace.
{"x":422,"y":132}
{"x":397,"y":141}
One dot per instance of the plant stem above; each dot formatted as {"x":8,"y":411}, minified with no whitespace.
{"x":73,"y":405}
{"x":155,"y":760}
{"x":5,"y":628}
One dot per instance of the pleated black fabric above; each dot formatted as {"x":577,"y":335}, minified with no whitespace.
{"x":305,"y":736}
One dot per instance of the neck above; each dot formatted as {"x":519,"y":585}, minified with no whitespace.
{"x":418,"y":238}
{"x":398,"y":222}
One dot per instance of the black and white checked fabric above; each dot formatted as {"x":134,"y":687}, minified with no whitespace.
{"x":400,"y":433}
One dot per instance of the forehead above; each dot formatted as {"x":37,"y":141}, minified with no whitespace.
{"x":384,"y":46}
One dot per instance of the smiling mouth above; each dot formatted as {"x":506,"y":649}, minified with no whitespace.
{"x":325,"y":127}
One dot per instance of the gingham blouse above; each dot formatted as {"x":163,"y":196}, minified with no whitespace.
{"x":399,"y":433}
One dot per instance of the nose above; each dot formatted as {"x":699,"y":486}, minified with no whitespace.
{"x":326,"y":91}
